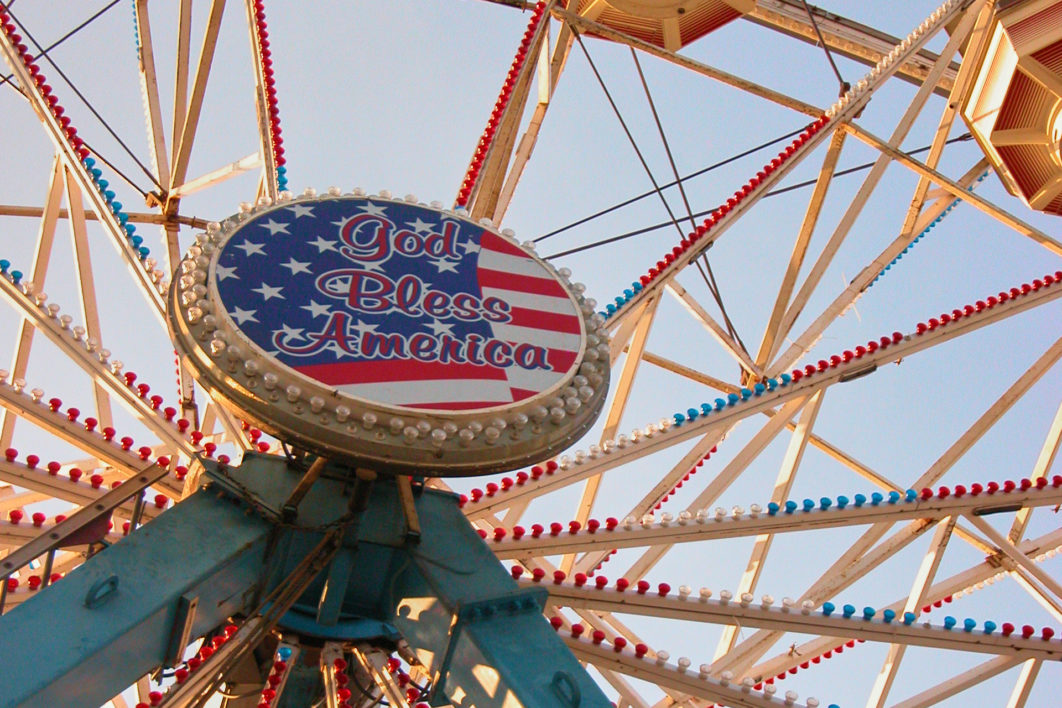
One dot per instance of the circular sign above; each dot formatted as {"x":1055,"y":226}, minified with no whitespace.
{"x":390,"y":333}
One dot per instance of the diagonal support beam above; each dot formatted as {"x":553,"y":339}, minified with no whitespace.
{"x":1043,"y":463}
{"x":185,"y":125}
{"x":782,"y":486}
{"x":620,"y":398}
{"x":961,"y":682}
{"x":149,"y":89}
{"x":926,"y":572}
{"x":705,"y":526}
{"x":698,"y":313}
{"x":727,"y":417}
{"x":800,"y":246}
{"x":41,"y":258}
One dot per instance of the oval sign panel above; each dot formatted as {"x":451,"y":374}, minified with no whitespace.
{"x":391,"y":334}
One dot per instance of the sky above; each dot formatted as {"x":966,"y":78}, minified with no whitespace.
{"x":394,"y":96}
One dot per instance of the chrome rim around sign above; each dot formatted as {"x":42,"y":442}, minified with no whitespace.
{"x":390,"y":333}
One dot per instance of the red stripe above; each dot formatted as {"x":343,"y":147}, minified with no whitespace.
{"x":520,"y":394}
{"x":560,"y":359}
{"x":456,"y":405}
{"x":492,"y":242}
{"x":521,"y":283}
{"x":404,"y":370}
{"x":554,"y":322}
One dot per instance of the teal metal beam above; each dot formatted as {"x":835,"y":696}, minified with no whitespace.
{"x":216,"y":554}
{"x":108,"y":622}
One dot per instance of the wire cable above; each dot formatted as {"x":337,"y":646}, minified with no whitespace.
{"x":92,"y":109}
{"x":706,"y":273}
{"x":623,"y":123}
{"x":844,"y":85}
{"x":7,"y":79}
{"x":776,"y":192}
{"x":663,"y":137}
{"x":698,"y":173}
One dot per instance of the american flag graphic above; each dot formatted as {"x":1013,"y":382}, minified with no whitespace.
{"x":399,"y":304}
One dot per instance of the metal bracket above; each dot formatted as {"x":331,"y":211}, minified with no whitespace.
{"x":409,"y":509}
{"x":182,"y":629}
{"x":101,"y":592}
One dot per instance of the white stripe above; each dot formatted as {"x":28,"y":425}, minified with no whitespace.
{"x":401,"y":393}
{"x":531,"y":301}
{"x":492,"y":260}
{"x":532,"y":335}
{"x":532,"y":379}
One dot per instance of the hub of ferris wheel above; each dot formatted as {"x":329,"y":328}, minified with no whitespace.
{"x":386,"y":342}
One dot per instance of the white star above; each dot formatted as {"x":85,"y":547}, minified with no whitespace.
{"x":224,"y":273}
{"x":290,"y":332}
{"x":323,"y":244}
{"x":268,"y":292}
{"x":371,"y":265}
{"x":275,"y":227}
{"x":363,"y":327}
{"x":438,"y":328}
{"x":317,"y":310}
{"x":251,"y":248}
{"x":374,"y":209}
{"x":295,"y":266}
{"x":302,"y":210}
{"x":444,"y":265}
{"x":241,"y":316}
{"x":419,"y":225}
{"x":339,"y":351}
{"x":470,"y":247}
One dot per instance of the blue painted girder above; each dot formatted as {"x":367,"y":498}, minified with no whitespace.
{"x":447,"y":595}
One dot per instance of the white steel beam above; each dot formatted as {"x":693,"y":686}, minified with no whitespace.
{"x":79,"y":493}
{"x":854,"y":40}
{"x":149,"y":287}
{"x":616,"y":409}
{"x":855,"y":289}
{"x":873,"y":178}
{"x":149,"y":88}
{"x":668,"y":677}
{"x":961,"y":682}
{"x":1011,"y":551}
{"x":1043,"y":463}
{"x":689,"y":373}
{"x":723,"y":420}
{"x":782,"y":486}
{"x":961,"y":583}
{"x":695,"y":455}
{"x":267,"y":185}
{"x":731,"y":347}
{"x":38,"y":273}
{"x":956,"y":190}
{"x":233,"y":169}
{"x":21,"y":402}
{"x":180,"y":77}
{"x":800,"y":246}
{"x":1023,"y":686}
{"x":35,"y":212}
{"x":184,"y":132}
{"x":549,"y":72}
{"x":86,"y":283}
{"x":708,"y":526}
{"x":798,"y":620}
{"x":845,"y":110}
{"x":727,"y":476}
{"x":923,"y":578}
{"x":91,"y":360}
{"x":596,"y":28}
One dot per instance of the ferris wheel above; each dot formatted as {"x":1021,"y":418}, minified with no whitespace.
{"x":823,"y":260}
